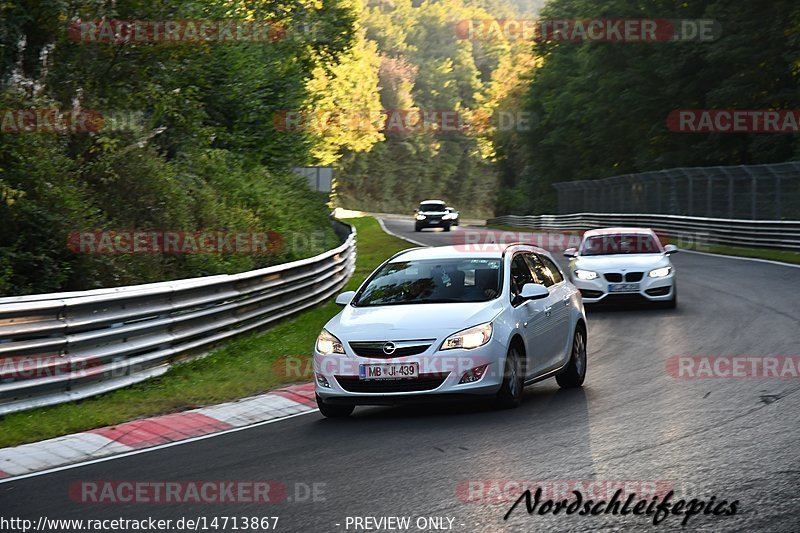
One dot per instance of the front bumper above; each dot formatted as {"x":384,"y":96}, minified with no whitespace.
{"x":433,"y":223}
{"x":440,"y":374}
{"x":650,"y":289}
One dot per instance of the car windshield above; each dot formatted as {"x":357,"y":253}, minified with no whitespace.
{"x":432,"y":281}
{"x":635,"y":243}
{"x":431,"y":206}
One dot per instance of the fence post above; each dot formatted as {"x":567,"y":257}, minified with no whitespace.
{"x":730,"y":196}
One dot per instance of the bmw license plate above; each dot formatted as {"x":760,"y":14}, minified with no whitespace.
{"x":389,"y":371}
{"x":623,"y":287}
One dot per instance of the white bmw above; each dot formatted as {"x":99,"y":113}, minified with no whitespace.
{"x":623,"y":264}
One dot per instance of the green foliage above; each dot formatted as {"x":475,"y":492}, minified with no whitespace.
{"x":426,"y":67}
{"x":188,"y":143}
{"x":602,"y":107}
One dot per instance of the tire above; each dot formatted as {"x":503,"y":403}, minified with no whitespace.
{"x":417,"y":228}
{"x":510,"y":393}
{"x":447,"y":228}
{"x":575,"y":372}
{"x":334,"y":411}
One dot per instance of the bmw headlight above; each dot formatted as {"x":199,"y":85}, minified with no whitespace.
{"x":469,"y":338}
{"x":660,"y":272}
{"x":585,"y":275}
{"x":420,"y":217}
{"x":328,"y":344}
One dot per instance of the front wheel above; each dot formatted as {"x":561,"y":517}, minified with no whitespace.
{"x":575,"y":371}
{"x":334,"y":411}
{"x":510,"y":393}
{"x":447,"y":228}
{"x":417,"y":228}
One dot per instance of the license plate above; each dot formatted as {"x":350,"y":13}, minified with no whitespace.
{"x":623,"y":287}
{"x":433,"y":221}
{"x":389,"y":371}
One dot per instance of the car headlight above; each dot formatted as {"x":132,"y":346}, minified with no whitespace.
{"x":660,"y":272}
{"x":447,"y":217}
{"x":469,"y":338}
{"x":328,"y":344}
{"x":420,"y":217}
{"x":585,"y":275}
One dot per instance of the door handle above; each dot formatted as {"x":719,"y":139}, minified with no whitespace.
{"x":548,"y":310}
{"x":566,"y":301}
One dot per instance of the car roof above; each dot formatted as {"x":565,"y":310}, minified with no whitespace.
{"x":463,"y":251}
{"x":433,"y":202}
{"x":619,"y":231}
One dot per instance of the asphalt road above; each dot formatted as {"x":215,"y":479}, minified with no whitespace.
{"x":736,"y":439}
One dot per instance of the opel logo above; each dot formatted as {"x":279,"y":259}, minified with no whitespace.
{"x":389,"y":348}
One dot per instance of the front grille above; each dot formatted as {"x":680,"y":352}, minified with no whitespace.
{"x":374,"y":349}
{"x":422,"y":383}
{"x":616,"y":277}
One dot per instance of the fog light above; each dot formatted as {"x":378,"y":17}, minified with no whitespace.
{"x":323,"y":381}
{"x":473,"y":375}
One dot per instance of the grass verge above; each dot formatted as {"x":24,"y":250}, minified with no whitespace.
{"x":772,"y":254}
{"x":246,"y":366}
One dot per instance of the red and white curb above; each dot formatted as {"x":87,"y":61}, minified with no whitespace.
{"x":140,"y":434}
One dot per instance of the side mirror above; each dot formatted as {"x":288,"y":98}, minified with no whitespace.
{"x":570,"y":252}
{"x":345,"y":297}
{"x":534,"y":291}
{"x":670,"y":249}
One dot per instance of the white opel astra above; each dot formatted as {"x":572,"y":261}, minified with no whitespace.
{"x":624,"y":265}
{"x":449,"y":323}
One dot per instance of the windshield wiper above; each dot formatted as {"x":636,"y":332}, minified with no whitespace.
{"x":409,"y":302}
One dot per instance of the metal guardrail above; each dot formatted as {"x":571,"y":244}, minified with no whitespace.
{"x":66,"y":346}
{"x":698,"y":231}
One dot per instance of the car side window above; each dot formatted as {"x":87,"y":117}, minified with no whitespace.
{"x":520,"y":275}
{"x":539,"y":270}
{"x":555,"y":273}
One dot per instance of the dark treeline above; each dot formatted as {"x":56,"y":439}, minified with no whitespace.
{"x":602,"y":108}
{"x":191,"y":146}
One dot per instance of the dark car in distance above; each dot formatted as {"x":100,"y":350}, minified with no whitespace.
{"x":434,"y":214}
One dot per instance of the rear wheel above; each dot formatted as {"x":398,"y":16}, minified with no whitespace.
{"x":575,"y":372}
{"x":334,"y":411}
{"x":510,"y":393}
